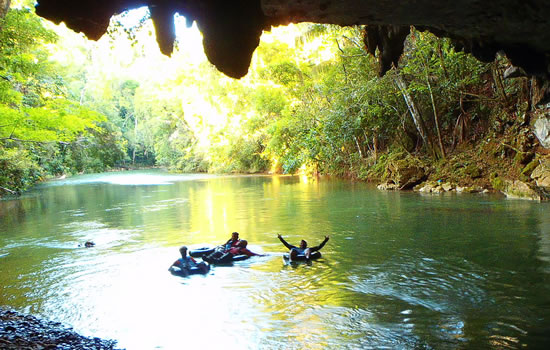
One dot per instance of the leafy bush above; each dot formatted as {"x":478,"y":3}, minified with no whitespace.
{"x":17,"y":169}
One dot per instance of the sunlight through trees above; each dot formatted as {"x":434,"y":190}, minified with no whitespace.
{"x":311,"y":101}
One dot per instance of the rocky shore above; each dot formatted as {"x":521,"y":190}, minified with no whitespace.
{"x":21,"y":331}
{"x":511,"y":157}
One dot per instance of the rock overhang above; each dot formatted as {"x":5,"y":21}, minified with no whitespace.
{"x":232,"y":28}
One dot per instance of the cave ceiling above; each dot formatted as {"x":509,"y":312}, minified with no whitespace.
{"x":232,"y":28}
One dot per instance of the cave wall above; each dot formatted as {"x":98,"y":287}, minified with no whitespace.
{"x":232,"y":28}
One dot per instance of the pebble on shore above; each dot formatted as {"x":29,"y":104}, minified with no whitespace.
{"x":21,"y":331}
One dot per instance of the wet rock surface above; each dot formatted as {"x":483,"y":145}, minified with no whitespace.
{"x":406,"y":173}
{"x":21,"y":331}
{"x":541,"y":174}
{"x":520,"y":190}
{"x":541,"y":129}
{"x":442,"y":187}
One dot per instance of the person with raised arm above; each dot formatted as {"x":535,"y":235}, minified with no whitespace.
{"x":303,"y":250}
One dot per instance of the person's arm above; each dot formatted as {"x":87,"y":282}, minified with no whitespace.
{"x":285,"y":242}
{"x":245,"y":251}
{"x":314,"y":249}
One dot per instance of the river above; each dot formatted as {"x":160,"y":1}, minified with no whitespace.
{"x":401,"y":270}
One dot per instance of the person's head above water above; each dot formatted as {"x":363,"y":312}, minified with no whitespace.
{"x":303,"y":244}
{"x":243,"y":243}
{"x":235,"y":236}
{"x":183,"y":251}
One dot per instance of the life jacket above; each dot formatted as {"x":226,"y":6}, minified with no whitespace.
{"x":232,"y":244}
{"x":235,"y":250}
{"x":187,"y":262}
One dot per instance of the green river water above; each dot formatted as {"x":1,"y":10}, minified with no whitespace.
{"x":401,"y":270}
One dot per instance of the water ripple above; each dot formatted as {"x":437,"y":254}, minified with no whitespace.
{"x":442,"y":286}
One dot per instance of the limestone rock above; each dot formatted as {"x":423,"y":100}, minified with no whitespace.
{"x":406,"y":173}
{"x":542,"y":131}
{"x":470,"y":189}
{"x":541,"y":174}
{"x":434,"y":187}
{"x":388,"y":39}
{"x":426,"y":187}
{"x":520,"y":190}
{"x":388,"y":186}
{"x":438,"y":187}
{"x":231,"y":28}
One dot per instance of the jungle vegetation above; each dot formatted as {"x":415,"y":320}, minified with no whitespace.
{"x":312,"y":102}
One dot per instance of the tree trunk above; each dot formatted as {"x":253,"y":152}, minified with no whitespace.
{"x":436,"y":116}
{"x":367,"y":144}
{"x":415,"y":114}
{"x":375,"y":146}
{"x":499,"y":85}
{"x":358,"y":147}
{"x":135,"y":140}
{"x":4,"y":8}
{"x":462,"y":124}
{"x":9,"y":191}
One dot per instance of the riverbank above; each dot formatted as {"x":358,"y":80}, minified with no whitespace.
{"x":22,"y":331}
{"x":507,"y":158}
{"x":511,"y":160}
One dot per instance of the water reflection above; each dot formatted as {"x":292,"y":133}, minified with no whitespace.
{"x":544,"y":248}
{"x":400,"y":271}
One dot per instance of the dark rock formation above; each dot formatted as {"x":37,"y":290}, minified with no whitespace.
{"x":20,"y":331}
{"x":404,"y":174}
{"x":231,"y":28}
{"x":388,"y":40}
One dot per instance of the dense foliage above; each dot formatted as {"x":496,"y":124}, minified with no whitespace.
{"x":42,"y":131}
{"x":312,"y":102}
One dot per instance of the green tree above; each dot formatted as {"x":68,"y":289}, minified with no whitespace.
{"x":38,"y":124}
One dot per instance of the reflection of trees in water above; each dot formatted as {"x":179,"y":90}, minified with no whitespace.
{"x":544,"y":242}
{"x":399,"y":268}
